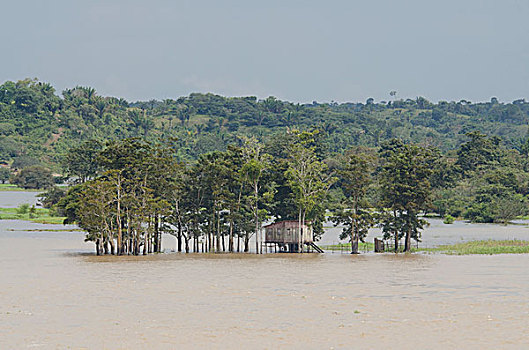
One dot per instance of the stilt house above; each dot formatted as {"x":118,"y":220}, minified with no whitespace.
{"x":285,"y":235}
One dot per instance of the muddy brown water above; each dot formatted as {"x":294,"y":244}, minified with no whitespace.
{"x":55,"y":294}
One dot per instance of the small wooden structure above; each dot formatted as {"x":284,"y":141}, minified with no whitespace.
{"x":285,"y":235}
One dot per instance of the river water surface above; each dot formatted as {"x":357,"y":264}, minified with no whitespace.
{"x":55,"y":294}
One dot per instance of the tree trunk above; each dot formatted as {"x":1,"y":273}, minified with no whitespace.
{"x":300,"y":231}
{"x":256,"y":214}
{"x":218,"y":231}
{"x":396,"y":235}
{"x":98,"y":248}
{"x":407,"y":243}
{"x":112,"y":246}
{"x":118,"y":218}
{"x":186,"y":239}
{"x":157,"y":240}
{"x":246,"y":242}
{"x":230,"y":239}
{"x":210,"y":235}
{"x":354,"y":231}
{"x":179,"y":238}
{"x":256,"y":236}
{"x":145,"y":243}
{"x":105,"y":246}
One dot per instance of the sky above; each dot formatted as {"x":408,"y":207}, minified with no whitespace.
{"x":301,"y":51}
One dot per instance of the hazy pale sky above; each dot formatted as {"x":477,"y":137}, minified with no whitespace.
{"x":342,"y":50}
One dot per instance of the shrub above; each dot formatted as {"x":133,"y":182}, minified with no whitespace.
{"x":449,"y":219}
{"x":23,"y":209}
{"x":34,"y":177}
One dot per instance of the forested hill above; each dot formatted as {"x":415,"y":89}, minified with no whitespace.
{"x":37,"y":125}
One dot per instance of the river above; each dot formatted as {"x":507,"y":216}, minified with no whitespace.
{"x":55,"y":293}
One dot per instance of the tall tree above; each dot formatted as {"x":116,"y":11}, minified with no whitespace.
{"x":355,"y":175}
{"x":405,"y":186}
{"x":308,"y":178}
{"x":256,"y":162}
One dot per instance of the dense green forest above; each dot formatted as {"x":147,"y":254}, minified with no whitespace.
{"x":38,"y":126}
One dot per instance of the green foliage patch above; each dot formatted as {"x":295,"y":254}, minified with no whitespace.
{"x":488,"y":247}
{"x":38,"y":215}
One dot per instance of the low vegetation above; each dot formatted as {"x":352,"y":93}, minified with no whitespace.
{"x":488,"y":247}
{"x":25,"y":212}
{"x":14,"y":188}
{"x":346,"y":247}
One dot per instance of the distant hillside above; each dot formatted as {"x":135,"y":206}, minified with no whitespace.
{"x":36,"y":125}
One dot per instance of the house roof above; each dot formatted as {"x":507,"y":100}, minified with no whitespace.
{"x":278,"y":223}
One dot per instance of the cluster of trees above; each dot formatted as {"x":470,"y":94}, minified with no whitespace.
{"x":483,"y":181}
{"x":37,"y":125}
{"x":130,"y":192}
{"x":477,"y":154}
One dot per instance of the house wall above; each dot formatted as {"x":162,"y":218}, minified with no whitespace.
{"x":287,"y":232}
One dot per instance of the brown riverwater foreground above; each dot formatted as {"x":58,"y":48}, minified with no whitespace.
{"x":55,"y":294}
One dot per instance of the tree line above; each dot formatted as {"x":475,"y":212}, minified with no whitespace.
{"x":38,"y":125}
{"x":130,"y":192}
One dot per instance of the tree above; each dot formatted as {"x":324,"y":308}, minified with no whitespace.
{"x":82,"y":161}
{"x":355,"y":175}
{"x":256,"y":162}
{"x":308,"y":178}
{"x":34,"y":177}
{"x":5,"y":173}
{"x":23,"y":161}
{"x":405,"y":187}
{"x":479,"y":151}
{"x":51,"y":197}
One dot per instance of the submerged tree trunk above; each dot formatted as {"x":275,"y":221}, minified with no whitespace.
{"x":210,"y":235}
{"x":218,"y":232}
{"x":112,"y":246}
{"x":230,"y":239}
{"x":354,"y":229}
{"x":256,"y":214}
{"x":105,"y":246}
{"x":407,"y":243}
{"x":118,"y":218}
{"x":396,"y":235}
{"x":246,"y":242}
{"x":186,"y":239}
{"x":179,"y":237}
{"x":157,"y":238}
{"x":98,"y":247}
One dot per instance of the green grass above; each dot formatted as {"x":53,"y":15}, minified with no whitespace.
{"x":41,"y":216}
{"x":10,"y":187}
{"x":488,"y":247}
{"x":347,"y":247}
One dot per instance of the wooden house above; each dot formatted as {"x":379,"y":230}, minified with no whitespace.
{"x":285,"y":235}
